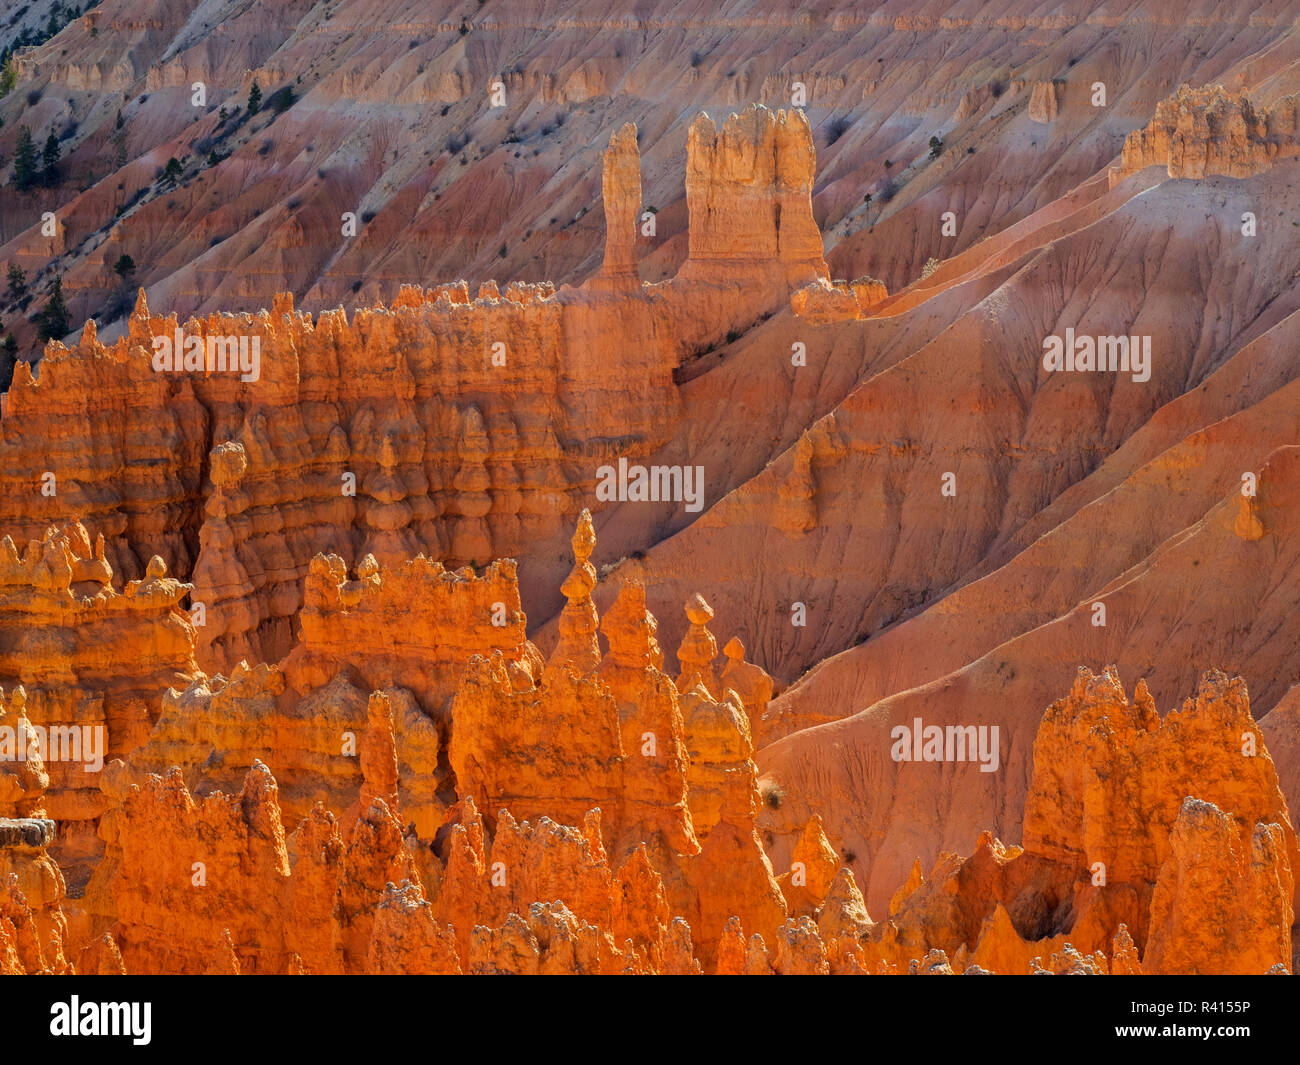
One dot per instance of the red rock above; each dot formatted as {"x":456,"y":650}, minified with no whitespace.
{"x":406,"y":939}
{"x":1199,"y":132}
{"x":1223,"y":900}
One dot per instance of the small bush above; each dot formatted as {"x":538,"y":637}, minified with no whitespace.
{"x":610,"y":567}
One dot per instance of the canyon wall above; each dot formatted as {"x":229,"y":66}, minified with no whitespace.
{"x":463,"y":428}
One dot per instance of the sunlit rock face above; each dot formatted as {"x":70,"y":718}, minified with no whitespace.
{"x":358,"y":613}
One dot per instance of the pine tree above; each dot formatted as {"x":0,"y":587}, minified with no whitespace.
{"x":17,"y":281}
{"x":124,"y":267}
{"x":254,"y":99}
{"x":8,"y":75}
{"x":50,"y":160}
{"x":55,"y":319}
{"x":24,"y":160}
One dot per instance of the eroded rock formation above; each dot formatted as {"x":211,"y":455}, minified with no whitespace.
{"x":596,"y":817}
{"x":379,"y":772}
{"x":1197,"y":133}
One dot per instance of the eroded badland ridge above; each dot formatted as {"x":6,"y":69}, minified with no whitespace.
{"x":339,"y":600}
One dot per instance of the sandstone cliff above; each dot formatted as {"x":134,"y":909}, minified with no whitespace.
{"x":1200,"y":132}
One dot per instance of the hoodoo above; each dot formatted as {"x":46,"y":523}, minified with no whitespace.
{"x":621,"y":492}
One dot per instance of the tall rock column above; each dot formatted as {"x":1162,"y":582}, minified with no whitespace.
{"x":799,"y":241}
{"x":698,"y":649}
{"x":749,"y":194}
{"x":650,"y":723}
{"x":379,"y":755}
{"x":621,"y":188}
{"x":578,"y":647}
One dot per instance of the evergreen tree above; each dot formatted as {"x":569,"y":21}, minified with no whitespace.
{"x":24,"y":160}
{"x":17,"y":281}
{"x":50,"y":160}
{"x":8,"y":76}
{"x":254,"y":99}
{"x":55,"y":319}
{"x":124,"y":267}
